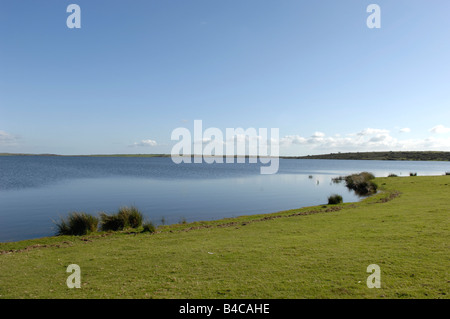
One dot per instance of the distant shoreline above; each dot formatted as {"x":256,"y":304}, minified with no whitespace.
{"x":382,"y":156}
{"x":385,"y":156}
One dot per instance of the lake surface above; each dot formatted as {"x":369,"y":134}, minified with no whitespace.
{"x":35,"y":190}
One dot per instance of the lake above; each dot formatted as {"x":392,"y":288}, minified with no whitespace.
{"x":35,"y":190}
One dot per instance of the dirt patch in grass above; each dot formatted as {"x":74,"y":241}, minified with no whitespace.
{"x":233,"y":224}
{"x":389,"y":197}
{"x":37,"y":246}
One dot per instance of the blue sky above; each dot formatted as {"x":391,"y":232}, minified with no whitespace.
{"x":136,"y":70}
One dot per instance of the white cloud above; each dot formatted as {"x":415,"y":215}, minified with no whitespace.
{"x":405,"y":130}
{"x":440,"y":129}
{"x":369,"y":139}
{"x":293,"y":139}
{"x":318,"y":135}
{"x":378,"y":138}
{"x":371,"y":131}
{"x":7,"y":139}
{"x":146,"y":143}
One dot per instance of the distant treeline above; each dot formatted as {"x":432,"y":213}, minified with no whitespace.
{"x":383,"y":156}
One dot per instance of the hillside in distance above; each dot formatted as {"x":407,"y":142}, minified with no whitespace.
{"x":384,"y":156}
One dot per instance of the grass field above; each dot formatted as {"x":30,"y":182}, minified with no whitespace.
{"x":313,"y":252}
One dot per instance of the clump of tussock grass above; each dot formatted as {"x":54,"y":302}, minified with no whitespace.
{"x":132,"y":216}
{"x":77,"y":223}
{"x":392,"y":175}
{"x":148,"y":227}
{"x":361,"y":183}
{"x":126,"y":217}
{"x":335,"y":199}
{"x":111,"y":222}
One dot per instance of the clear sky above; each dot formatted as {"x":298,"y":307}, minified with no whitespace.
{"x":136,"y":70}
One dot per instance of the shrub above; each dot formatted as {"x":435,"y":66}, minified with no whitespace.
{"x":111,"y":222}
{"x":361,"y":183}
{"x":148,"y":227}
{"x":335,"y":199}
{"x":392,"y":175}
{"x":77,"y":224}
{"x":126,"y":217}
{"x":447,"y":173}
{"x":412,"y":174}
{"x":132,"y":216}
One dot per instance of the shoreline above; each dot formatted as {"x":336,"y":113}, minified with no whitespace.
{"x":226,"y":220}
{"x":314,"y":252}
{"x":362,"y":198}
{"x":222,"y":222}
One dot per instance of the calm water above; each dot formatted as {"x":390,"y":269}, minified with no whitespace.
{"x":35,"y":190}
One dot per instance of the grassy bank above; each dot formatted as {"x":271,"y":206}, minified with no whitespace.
{"x":314,"y":252}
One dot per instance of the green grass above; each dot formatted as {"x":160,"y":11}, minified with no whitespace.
{"x":314,"y":252}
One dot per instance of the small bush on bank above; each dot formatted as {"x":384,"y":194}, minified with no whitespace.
{"x":412,"y":174}
{"x":447,"y":173}
{"x":77,"y":224}
{"x":361,"y":183}
{"x":111,"y":222}
{"x":148,"y":227}
{"x":132,"y":216}
{"x":335,"y":199}
{"x":126,"y":217}
{"x":392,"y":175}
